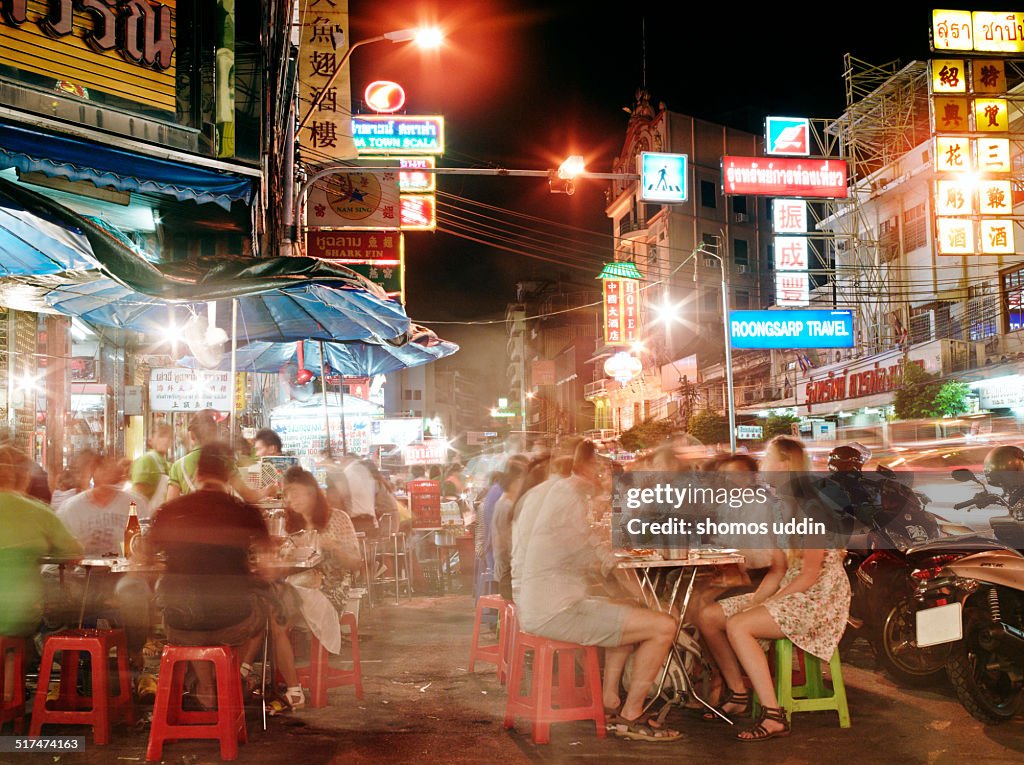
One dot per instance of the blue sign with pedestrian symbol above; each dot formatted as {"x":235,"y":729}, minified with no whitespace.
{"x":662,"y":177}
{"x":791,"y":329}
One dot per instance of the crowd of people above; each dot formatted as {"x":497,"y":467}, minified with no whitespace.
{"x":541,"y":544}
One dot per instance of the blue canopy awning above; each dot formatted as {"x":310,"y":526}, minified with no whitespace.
{"x":75,"y":159}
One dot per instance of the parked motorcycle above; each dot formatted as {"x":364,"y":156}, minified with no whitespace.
{"x":975,"y":607}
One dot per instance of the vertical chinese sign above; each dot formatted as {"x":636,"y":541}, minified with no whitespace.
{"x":324,"y":30}
{"x":621,"y":311}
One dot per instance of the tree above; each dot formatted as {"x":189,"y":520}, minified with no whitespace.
{"x":779,"y":425}
{"x":647,"y":435}
{"x":951,"y":399}
{"x":709,"y":427}
{"x":916,"y":396}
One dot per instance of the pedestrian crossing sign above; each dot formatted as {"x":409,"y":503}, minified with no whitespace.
{"x":662,"y":177}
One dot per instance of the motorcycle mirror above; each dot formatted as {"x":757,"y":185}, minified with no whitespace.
{"x":885,"y":471}
{"x":963,"y":475}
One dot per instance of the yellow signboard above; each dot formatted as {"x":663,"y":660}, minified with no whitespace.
{"x":323,"y":44}
{"x":953,"y":198}
{"x":948,"y":76}
{"x":996,"y":236}
{"x":982,"y":31}
{"x":125,"y":49}
{"x":991,"y":115}
{"x":951,"y":114}
{"x":952,"y":154}
{"x":955,"y":236}
{"x":995,"y":197}
{"x":952,"y":30}
{"x":993,"y":154}
{"x":988,"y":76}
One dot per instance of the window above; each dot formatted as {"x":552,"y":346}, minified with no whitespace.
{"x":416,"y":394}
{"x":739,"y":205}
{"x":914,"y":228}
{"x":708,"y":195}
{"x":739,"y":252}
{"x":407,"y":395}
{"x":711,"y":301}
{"x":1013,"y":300}
{"x":889,"y":239}
{"x":741,"y":299}
{"x":982,"y":312}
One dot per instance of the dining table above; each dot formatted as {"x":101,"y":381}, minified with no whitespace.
{"x":651,"y":573}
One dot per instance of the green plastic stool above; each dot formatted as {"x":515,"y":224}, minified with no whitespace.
{"x":813,"y":695}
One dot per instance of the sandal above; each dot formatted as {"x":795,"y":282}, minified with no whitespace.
{"x":760,"y":733}
{"x":731,"y":697}
{"x":635,"y":730}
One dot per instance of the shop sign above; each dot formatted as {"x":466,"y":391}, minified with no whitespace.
{"x":793,"y":288}
{"x":121,"y":47}
{"x":380,"y":247}
{"x":542,"y":372}
{"x":993,"y":154}
{"x":789,"y":216}
{"x":996,"y":236}
{"x":323,"y":43}
{"x":790,"y":253}
{"x":384,"y":96}
{"x":948,"y":75}
{"x":418,"y":212}
{"x":427,"y":453}
{"x":1000,"y":393}
{"x":995,"y":197}
{"x":953,"y":198}
{"x":749,"y":432}
{"x":388,"y":278}
{"x":396,"y":430}
{"x":788,"y":136}
{"x":991,"y":115}
{"x":662,"y":177}
{"x":952,"y":154}
{"x":791,"y":329}
{"x":355,"y":200}
{"x":412,"y":179}
{"x":955,"y":236}
{"x":988,"y":76}
{"x":621,"y":311}
{"x":950,"y":114}
{"x":189,"y":390}
{"x":782,"y":177}
{"x":844,"y":385}
{"x":384,"y":134}
{"x":982,"y":31}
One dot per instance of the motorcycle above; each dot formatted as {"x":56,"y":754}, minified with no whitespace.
{"x":975,"y":607}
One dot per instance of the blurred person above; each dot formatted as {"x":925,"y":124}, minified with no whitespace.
{"x":78,"y":478}
{"x":511,"y":483}
{"x":453,"y":484}
{"x":804,"y":597}
{"x":353,"y":489}
{"x":183,"y":475}
{"x":97,"y":517}
{"x":150,"y":472}
{"x":482,"y":546}
{"x":551,"y":566}
{"x":209,"y":594}
{"x":267,"y":443}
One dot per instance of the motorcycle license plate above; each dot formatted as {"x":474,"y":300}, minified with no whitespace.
{"x":942,"y":624}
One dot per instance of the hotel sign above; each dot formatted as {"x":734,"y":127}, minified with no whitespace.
{"x":621,"y":311}
{"x":784,"y":177}
{"x":124,"y":48}
{"x":389,"y":134}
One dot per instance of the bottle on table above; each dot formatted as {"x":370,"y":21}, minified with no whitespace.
{"x":131,"y":529}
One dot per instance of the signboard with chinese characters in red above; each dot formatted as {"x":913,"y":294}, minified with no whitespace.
{"x":996,"y":236}
{"x":789,"y":216}
{"x":355,"y":200}
{"x":380,"y":247}
{"x":419,"y":212}
{"x":784,"y":177}
{"x":955,"y":236}
{"x":791,"y":253}
{"x":621,"y":311}
{"x":793,"y":289}
{"x":323,"y":42}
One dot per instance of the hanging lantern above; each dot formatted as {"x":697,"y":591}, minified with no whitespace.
{"x":622,"y":367}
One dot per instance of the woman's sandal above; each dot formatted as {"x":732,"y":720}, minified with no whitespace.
{"x":760,"y":733}
{"x":731,"y":697}
{"x":292,"y":699}
{"x":636,"y":730}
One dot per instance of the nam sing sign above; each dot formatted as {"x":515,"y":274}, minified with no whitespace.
{"x":782,"y":177}
{"x":121,"y":47}
{"x":791,"y":329}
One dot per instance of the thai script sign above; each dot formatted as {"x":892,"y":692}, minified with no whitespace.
{"x":189,"y":390}
{"x":121,"y":47}
{"x":982,"y":31}
{"x":383,"y":134}
{"x":836,"y":387}
{"x":782,"y":177}
{"x":791,"y":329}
{"x":427,"y":453}
{"x":383,"y":247}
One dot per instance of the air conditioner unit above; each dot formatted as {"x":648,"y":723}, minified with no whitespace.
{"x":743,"y":269}
{"x":740,"y":217}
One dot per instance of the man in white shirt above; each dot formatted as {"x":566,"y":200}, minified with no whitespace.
{"x":97,"y":517}
{"x":360,"y":491}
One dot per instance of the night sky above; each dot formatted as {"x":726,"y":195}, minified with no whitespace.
{"x":522,"y":85}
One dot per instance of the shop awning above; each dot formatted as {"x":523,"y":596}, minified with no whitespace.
{"x":76,"y":159}
{"x":359,"y":359}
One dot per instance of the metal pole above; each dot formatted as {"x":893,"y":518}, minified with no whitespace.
{"x":234,"y":369}
{"x":729,"y":386}
{"x":323,"y":390}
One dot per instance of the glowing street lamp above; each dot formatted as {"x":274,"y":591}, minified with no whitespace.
{"x":667,"y":312}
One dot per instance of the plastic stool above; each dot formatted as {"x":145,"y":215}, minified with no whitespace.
{"x":13,"y":710}
{"x":318,"y":676}
{"x":812,"y":695}
{"x":492,"y":654}
{"x":226,"y":723}
{"x":575,"y":702}
{"x":509,"y":626}
{"x":75,"y":709}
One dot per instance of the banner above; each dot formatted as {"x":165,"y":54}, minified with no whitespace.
{"x":189,"y":390}
{"x":791,"y":329}
{"x":323,"y":42}
{"x":355,"y":200}
{"x":782,"y":177}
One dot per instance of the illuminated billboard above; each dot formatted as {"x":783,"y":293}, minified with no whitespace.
{"x":784,"y":177}
{"x":398,"y":134}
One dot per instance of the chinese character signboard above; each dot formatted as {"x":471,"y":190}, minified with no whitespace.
{"x":783,"y":177}
{"x":380,"y":247}
{"x":355,"y":200}
{"x":389,"y":278}
{"x":189,"y":390}
{"x":996,"y":236}
{"x":951,"y":114}
{"x":125,"y":49}
{"x":324,"y":31}
{"x":955,"y":236}
{"x":663,"y":177}
{"x":789,"y":216}
{"x":995,"y":197}
{"x":392,"y":134}
{"x":982,"y":31}
{"x":791,"y":253}
{"x":952,"y":154}
{"x":787,"y":136}
{"x":953,"y":197}
{"x":988,"y":76}
{"x":993,"y":154}
{"x":793,"y":289}
{"x":948,"y":76}
{"x":621,"y":311}
{"x":991,"y":115}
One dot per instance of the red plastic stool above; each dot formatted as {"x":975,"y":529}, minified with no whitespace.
{"x":226,"y":723}
{"x":575,"y":702}
{"x":318,"y":676}
{"x":71,"y":707}
{"x":507,"y":639}
{"x":13,"y":710}
{"x":489,"y":653}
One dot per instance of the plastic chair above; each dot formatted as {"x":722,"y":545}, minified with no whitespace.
{"x":493,"y":654}
{"x":99,"y":706}
{"x":226,"y":723}
{"x":14,"y":709}
{"x":318,"y":676}
{"x":547,"y":702}
{"x":810,"y":694}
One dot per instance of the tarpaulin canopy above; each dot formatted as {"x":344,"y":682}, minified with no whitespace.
{"x":61,"y":156}
{"x":359,"y":359}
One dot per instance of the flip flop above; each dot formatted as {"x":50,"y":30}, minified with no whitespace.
{"x":634,"y":730}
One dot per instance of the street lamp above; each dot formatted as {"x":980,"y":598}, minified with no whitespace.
{"x":425,"y":37}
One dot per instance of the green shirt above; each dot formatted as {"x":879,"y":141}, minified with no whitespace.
{"x":30,"y":530}
{"x":147,"y":470}
{"x":183,"y":472}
